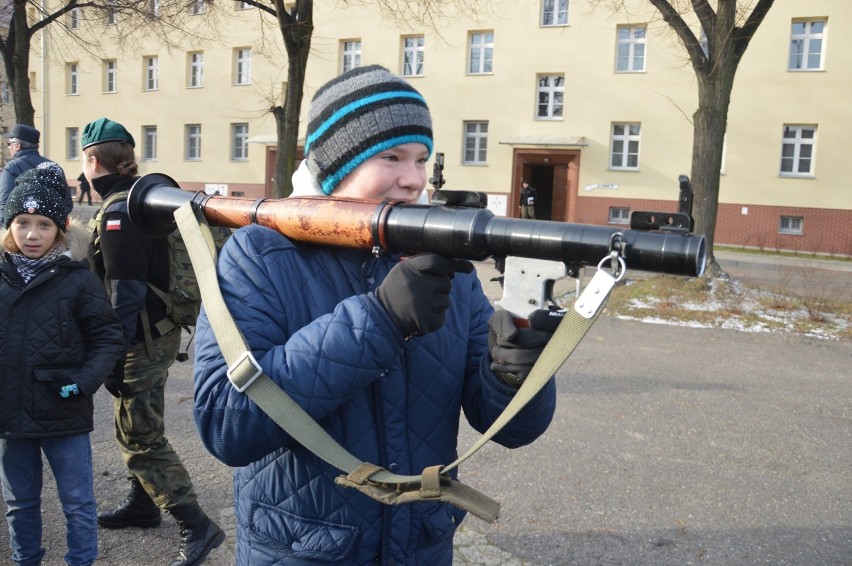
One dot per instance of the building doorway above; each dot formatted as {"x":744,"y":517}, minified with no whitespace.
{"x":541,"y":178}
{"x":555,"y":175}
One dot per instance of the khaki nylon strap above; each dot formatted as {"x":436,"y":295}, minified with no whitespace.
{"x":565,"y":339}
{"x":247,"y":376}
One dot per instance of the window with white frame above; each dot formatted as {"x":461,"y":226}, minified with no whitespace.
{"x":244,"y":6}
{"x":5,"y":95}
{"x":350,"y":55}
{"x":110,"y":75}
{"x":72,"y":78}
{"x":239,"y":141}
{"x":554,"y":12}
{"x":475,"y":143}
{"x":630,"y":51}
{"x":481,"y":53}
{"x":72,"y":141}
{"x":551,"y":92}
{"x":624,"y":151}
{"x":807,"y":38}
{"x":791,"y":225}
{"x":197,"y":7}
{"x":195,"y":74}
{"x":149,"y":143}
{"x":152,"y":72}
{"x":154,"y":8}
{"x":412,"y":56}
{"x":797,"y":150}
{"x":74,"y":18}
{"x":242,"y":66}
{"x":112,"y":12}
{"x":193,"y":142}
{"x":619,"y":215}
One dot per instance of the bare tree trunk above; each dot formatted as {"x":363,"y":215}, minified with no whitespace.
{"x":708,"y":144}
{"x":296,"y":29}
{"x":715,"y":64}
{"x":16,"y":57}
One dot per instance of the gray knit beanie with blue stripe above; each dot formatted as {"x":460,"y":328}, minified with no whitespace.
{"x":359,"y":114}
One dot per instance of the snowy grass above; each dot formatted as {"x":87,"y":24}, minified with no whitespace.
{"x":718,"y":303}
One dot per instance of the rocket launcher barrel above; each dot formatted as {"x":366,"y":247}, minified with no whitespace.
{"x":460,"y":232}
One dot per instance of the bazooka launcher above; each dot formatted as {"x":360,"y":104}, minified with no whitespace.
{"x":457,"y":226}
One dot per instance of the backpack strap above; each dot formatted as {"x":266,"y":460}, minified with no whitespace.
{"x":246,"y":375}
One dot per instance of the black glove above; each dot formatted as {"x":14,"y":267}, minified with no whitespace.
{"x":416,"y":292}
{"x":115,"y":380}
{"x":514,"y":350}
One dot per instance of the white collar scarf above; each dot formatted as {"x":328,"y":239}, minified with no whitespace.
{"x":304,"y":184}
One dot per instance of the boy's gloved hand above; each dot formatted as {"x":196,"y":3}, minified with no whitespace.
{"x":69,"y":391}
{"x":416,"y":292}
{"x":513,"y":350}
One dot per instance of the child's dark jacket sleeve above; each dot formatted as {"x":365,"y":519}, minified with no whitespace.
{"x":102,"y":334}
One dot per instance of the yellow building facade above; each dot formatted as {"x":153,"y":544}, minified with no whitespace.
{"x":592,"y":107}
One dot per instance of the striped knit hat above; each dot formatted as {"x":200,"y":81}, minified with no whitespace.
{"x":359,"y":114}
{"x":40,"y":190}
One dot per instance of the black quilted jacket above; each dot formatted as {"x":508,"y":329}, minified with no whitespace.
{"x":58,"y":329}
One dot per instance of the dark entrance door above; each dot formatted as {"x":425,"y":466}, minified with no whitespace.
{"x":541,"y":177}
{"x":555,"y":175}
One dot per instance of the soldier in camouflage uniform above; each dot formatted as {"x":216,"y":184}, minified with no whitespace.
{"x":128,"y":262}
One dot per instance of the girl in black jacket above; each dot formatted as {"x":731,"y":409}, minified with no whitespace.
{"x":62,"y":340}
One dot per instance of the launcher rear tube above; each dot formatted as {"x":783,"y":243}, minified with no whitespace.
{"x":471,"y":233}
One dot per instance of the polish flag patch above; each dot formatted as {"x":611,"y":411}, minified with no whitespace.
{"x":113,"y":224}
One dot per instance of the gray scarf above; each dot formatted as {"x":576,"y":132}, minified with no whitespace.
{"x":30,"y":267}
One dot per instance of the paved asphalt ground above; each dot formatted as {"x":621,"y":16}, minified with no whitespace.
{"x":670,"y":446}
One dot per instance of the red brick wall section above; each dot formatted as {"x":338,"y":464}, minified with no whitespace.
{"x":824,"y":231}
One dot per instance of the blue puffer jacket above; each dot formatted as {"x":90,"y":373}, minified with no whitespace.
{"x":315,"y":326}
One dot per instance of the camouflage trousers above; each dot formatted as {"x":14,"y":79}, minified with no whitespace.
{"x":140,"y":424}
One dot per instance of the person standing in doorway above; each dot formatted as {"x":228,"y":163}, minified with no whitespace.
{"x":528,"y":198}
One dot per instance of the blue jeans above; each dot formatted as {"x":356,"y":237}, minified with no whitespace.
{"x":70,"y":458}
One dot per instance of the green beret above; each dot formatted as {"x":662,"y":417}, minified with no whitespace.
{"x":105,"y":130}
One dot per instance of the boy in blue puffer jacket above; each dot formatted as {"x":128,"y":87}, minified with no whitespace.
{"x":384,"y":354}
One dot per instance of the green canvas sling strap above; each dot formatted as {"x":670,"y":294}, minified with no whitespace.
{"x":435,"y":483}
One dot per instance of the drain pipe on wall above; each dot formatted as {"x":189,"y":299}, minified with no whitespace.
{"x":44,"y":133}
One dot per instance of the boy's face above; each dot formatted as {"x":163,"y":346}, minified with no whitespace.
{"x":398,"y":173}
{"x":34,"y":234}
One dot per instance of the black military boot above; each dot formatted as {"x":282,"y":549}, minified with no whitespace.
{"x":138,"y":510}
{"x":198,"y":534}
